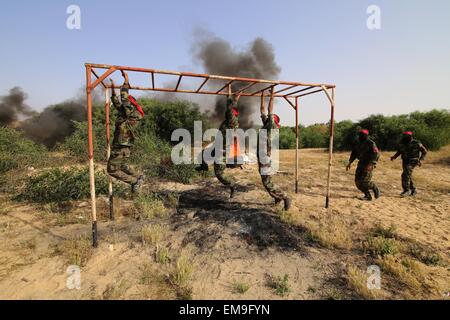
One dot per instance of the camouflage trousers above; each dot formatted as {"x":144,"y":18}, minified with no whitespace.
{"x":272,"y":189}
{"x":363,"y":178}
{"x":219,"y":171}
{"x":407,"y":179}
{"x":118,"y":165}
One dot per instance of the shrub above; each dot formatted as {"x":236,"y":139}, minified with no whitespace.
{"x":16,"y":150}
{"x":279,"y":284}
{"x":380,"y":246}
{"x":150,"y":206}
{"x":76,"y":145}
{"x":57,"y":185}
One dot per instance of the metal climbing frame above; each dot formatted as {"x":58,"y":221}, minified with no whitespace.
{"x":291,"y":92}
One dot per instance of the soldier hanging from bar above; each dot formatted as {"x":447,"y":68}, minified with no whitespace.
{"x":128,"y":117}
{"x":270,"y":122}
{"x":231,"y":122}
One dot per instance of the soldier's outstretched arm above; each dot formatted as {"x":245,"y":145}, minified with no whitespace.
{"x":395,"y":156}
{"x":424,"y":152}
{"x":351,"y":159}
{"x":114,"y":98}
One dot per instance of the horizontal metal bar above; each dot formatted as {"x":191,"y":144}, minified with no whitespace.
{"x":262,"y":90}
{"x":285,"y":89}
{"x":298,"y":91}
{"x":199,"y":75}
{"x":225,"y":86}
{"x":194,"y":91}
{"x":306,"y":94}
{"x":245,"y":88}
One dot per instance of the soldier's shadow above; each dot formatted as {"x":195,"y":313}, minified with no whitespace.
{"x":212,"y":214}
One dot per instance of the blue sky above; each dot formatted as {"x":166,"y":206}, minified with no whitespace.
{"x":401,"y":68}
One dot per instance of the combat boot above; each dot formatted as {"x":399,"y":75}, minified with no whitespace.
{"x":405,"y":193}
{"x":376,"y":192}
{"x":413,"y":192}
{"x":287,"y":204}
{"x":367,"y":197}
{"x":137,"y":185}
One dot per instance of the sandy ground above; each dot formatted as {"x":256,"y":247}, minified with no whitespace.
{"x":244,"y":240}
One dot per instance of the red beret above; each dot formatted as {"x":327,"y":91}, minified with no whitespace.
{"x":408,"y":133}
{"x":364,"y":131}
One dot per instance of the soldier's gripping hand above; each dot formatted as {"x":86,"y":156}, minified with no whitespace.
{"x":348,"y":167}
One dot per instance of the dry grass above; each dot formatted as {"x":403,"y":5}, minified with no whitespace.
{"x":240,"y":287}
{"x":182,"y":272}
{"x":380,"y":246}
{"x":150,"y":206}
{"x":162,"y":254}
{"x":357,"y":281}
{"x":405,"y":270}
{"x":279,"y":284}
{"x":76,"y":251}
{"x":332,"y":232}
{"x":153,"y":234}
{"x":115,"y":291}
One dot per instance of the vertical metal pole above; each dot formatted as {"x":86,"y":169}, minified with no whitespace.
{"x":108,"y":151}
{"x":330,"y":150}
{"x":91,"y":156}
{"x":296,"y":145}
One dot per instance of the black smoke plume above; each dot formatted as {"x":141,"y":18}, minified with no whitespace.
{"x":54,"y":123}
{"x":48,"y":127}
{"x":217,"y":56}
{"x":13,"y":108}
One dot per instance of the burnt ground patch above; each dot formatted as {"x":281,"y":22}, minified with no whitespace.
{"x":207,"y":216}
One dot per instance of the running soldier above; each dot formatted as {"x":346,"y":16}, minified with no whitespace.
{"x":413,"y":153}
{"x":367,"y":153}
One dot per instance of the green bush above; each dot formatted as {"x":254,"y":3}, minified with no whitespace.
{"x":76,"y":145}
{"x":58,"y":185}
{"x":432,"y":128}
{"x":16,"y":150}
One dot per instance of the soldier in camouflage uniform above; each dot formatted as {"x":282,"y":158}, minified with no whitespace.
{"x":413,"y":153}
{"x":124,"y":135}
{"x":367,"y":153}
{"x":231,"y":122}
{"x":270,"y":121}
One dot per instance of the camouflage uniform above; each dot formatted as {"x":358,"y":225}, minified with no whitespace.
{"x":412,"y":154}
{"x":127,"y":120}
{"x":231,"y":122}
{"x":367,"y":153}
{"x":264,"y":168}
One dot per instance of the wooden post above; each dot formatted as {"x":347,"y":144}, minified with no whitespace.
{"x":330,"y":148}
{"x":91,"y":157}
{"x":108,"y":151}
{"x":296,"y":145}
